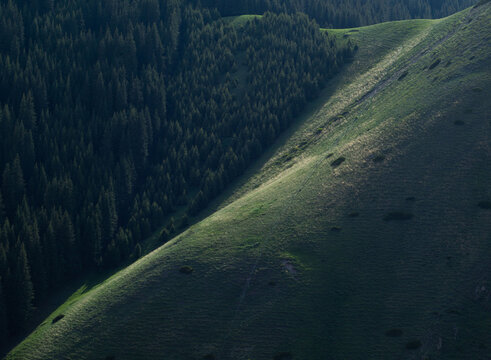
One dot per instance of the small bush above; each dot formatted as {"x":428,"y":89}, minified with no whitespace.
{"x":186,"y":270}
{"x":413,"y":345}
{"x":283,"y":356}
{"x":209,"y":357}
{"x":57,"y":318}
{"x":459,"y":122}
{"x":485,"y":205}
{"x":435,"y":64}
{"x":477,"y":90}
{"x":338,"y":162}
{"x":378,"y":158}
{"x":110,"y":357}
{"x":272,"y":283}
{"x":393,"y":333}
{"x":398,"y":216}
{"x":403,"y":75}
{"x":410,"y":198}
{"x":353,"y":214}
{"x":335,"y":229}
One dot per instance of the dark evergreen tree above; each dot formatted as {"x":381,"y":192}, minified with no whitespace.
{"x":3,"y":317}
{"x":20,"y":292}
{"x":13,"y":186}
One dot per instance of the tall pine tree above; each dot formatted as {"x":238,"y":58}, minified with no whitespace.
{"x":20,"y":292}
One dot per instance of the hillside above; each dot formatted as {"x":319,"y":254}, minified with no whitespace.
{"x":363,"y":234}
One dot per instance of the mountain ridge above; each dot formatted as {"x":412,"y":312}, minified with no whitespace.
{"x":301,"y":259}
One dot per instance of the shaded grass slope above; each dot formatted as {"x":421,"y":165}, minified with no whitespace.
{"x":383,"y":255}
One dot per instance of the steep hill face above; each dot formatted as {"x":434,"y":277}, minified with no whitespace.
{"x":365,"y":234}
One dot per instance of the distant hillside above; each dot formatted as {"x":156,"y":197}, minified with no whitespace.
{"x":363,"y":234}
{"x":345,"y":13}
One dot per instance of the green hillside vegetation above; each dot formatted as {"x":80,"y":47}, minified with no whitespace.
{"x":364,"y":233}
{"x":344,"y":13}
{"x":122,"y":120}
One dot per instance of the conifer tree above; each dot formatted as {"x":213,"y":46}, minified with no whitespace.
{"x":13,"y":186}
{"x":20,"y":292}
{"x":3,"y":317}
{"x":27,"y":112}
{"x":2,"y":210}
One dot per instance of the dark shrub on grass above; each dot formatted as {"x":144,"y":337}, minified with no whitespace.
{"x":410,"y":198}
{"x":338,"y":162}
{"x":485,"y":205}
{"x":403,"y":75}
{"x":413,"y":345}
{"x":477,"y":90}
{"x":57,"y":318}
{"x":353,"y":214}
{"x":435,"y":64}
{"x":186,"y":270}
{"x":283,"y":356}
{"x":398,"y":216}
{"x":209,"y":357}
{"x":378,"y":158}
{"x":393,"y":333}
{"x":110,"y":357}
{"x":335,"y":229}
{"x":459,"y":122}
{"x":272,"y":283}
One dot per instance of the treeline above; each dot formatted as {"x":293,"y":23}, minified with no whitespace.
{"x":115,"y":113}
{"x":344,"y":13}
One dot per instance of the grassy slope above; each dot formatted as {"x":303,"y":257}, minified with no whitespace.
{"x":335,"y":293}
